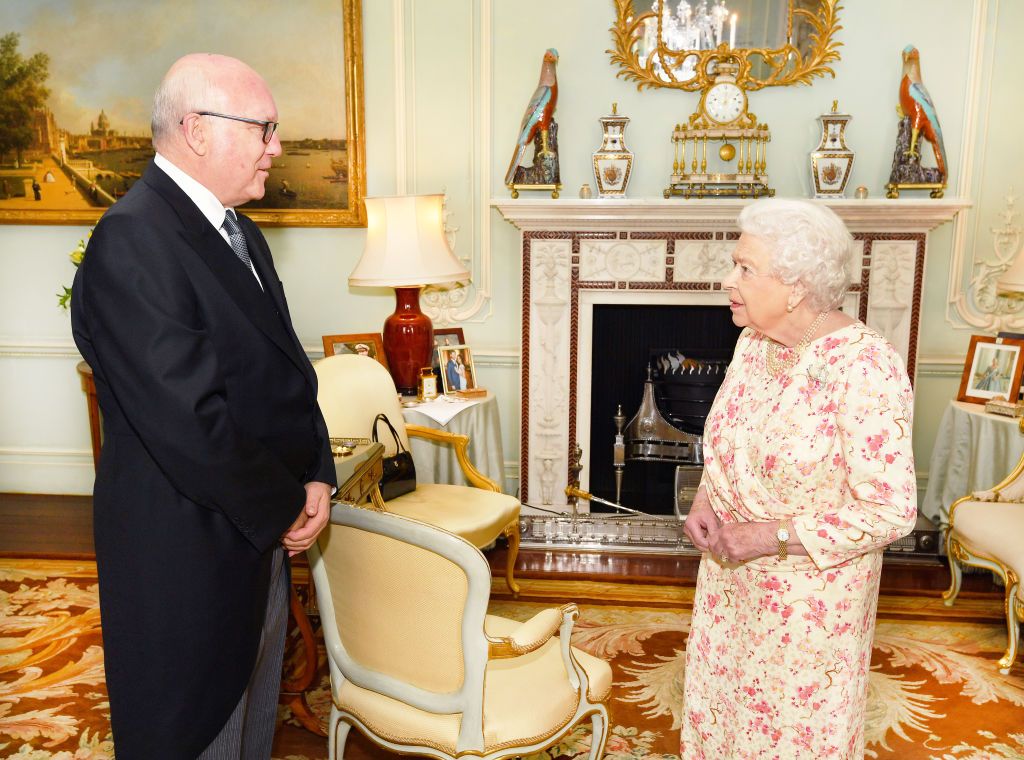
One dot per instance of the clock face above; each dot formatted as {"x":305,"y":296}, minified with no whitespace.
{"x":724,"y":102}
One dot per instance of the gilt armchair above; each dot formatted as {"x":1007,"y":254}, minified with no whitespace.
{"x":420,"y":668}
{"x":352,"y":391}
{"x":986,"y":529}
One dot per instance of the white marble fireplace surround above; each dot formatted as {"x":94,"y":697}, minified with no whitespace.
{"x":576,"y":254}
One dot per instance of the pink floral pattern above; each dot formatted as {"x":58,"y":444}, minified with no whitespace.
{"x":778,"y":653}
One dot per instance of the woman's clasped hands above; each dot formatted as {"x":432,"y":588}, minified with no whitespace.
{"x":727,"y":542}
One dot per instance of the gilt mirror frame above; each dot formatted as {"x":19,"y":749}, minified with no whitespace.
{"x":786,"y":65}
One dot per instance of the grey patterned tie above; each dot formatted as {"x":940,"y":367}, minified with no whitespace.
{"x":237,"y":239}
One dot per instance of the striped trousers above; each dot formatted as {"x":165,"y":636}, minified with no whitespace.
{"x":249,"y":732}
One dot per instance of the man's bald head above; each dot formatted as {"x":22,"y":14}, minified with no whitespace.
{"x":198,"y":81}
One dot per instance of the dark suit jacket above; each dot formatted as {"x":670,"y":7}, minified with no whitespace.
{"x":211,"y":429}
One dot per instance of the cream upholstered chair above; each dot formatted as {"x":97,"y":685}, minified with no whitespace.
{"x":420,"y":668}
{"x":986,"y":529}
{"x":353,"y":390}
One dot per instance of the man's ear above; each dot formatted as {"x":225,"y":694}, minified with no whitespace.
{"x":196,"y":137}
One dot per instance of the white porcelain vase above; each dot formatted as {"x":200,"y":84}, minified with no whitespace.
{"x":832,"y":160}
{"x":613,"y":162}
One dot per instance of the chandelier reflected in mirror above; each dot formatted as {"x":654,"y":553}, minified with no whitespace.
{"x":672,"y":43}
{"x":693,"y":26}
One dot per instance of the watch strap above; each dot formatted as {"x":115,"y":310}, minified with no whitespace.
{"x":787,"y":526}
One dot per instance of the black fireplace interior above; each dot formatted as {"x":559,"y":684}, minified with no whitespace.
{"x":625,"y":339}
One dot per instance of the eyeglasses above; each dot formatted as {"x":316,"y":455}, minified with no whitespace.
{"x":269,"y":127}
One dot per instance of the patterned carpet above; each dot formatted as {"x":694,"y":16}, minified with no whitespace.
{"x":935,"y":691}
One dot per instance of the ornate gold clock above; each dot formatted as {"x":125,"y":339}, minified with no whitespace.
{"x":739,"y":144}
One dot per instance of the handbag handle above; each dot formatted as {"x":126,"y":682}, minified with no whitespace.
{"x":398,"y":441}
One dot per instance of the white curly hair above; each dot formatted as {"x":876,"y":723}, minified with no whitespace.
{"x":809,"y":244}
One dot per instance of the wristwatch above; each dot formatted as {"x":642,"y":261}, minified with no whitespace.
{"x":783,"y":536}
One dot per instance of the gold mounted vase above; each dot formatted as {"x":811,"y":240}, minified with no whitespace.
{"x":832,"y":160}
{"x":613,"y":162}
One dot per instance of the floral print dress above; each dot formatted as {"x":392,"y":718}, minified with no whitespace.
{"x":778,"y":653}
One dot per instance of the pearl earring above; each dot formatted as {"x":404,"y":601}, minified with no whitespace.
{"x":789,"y":308}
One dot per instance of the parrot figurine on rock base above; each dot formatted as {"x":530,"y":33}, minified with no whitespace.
{"x":918,"y":119}
{"x":538,"y":127}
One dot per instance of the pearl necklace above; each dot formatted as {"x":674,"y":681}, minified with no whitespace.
{"x":776,"y":363}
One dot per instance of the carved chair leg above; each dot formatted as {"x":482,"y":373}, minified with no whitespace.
{"x":599,"y":734}
{"x":955,"y":573}
{"x":1012,"y":628}
{"x":511,"y":533}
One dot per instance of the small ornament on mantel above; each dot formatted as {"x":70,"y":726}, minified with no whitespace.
{"x":832,"y":160}
{"x":613,"y":162}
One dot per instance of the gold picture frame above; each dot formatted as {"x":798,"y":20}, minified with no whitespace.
{"x":992,"y":370}
{"x":319,"y":181}
{"x":367,"y":344}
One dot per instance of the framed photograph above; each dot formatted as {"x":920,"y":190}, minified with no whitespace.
{"x":445,"y":336}
{"x":992,"y":370}
{"x":77,"y":136}
{"x":364,"y":344}
{"x":457,"y":370}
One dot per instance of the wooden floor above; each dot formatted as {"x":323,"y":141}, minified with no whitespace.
{"x":49,"y":526}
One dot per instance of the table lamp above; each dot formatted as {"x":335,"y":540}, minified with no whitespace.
{"x":406,"y":249}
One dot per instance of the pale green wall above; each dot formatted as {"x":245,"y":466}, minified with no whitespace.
{"x":469,"y":67}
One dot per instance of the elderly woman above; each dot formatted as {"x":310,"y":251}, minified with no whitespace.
{"x":809,"y":473}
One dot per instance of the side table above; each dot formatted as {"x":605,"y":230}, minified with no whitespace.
{"x":95,"y":427}
{"x":973,"y":451}
{"x":438,"y":463}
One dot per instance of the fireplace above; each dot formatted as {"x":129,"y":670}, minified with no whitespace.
{"x":626,"y":339}
{"x":580,"y":257}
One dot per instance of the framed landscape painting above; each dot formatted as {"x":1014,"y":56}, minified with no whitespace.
{"x":76,"y":129}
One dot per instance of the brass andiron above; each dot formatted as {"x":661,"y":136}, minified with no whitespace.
{"x":618,"y":452}
{"x":575,"y":468}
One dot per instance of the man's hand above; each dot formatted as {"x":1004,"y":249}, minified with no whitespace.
{"x":701,"y":521}
{"x":307,"y":526}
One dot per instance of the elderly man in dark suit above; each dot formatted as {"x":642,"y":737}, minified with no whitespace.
{"x":216,"y":460}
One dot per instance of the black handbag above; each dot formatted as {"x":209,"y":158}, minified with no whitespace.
{"x":399,"y":471}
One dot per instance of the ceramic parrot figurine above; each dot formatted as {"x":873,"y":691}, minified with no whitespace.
{"x":538,"y":114}
{"x":916,"y":103}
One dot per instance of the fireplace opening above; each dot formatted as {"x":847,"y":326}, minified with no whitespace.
{"x":628,"y":338}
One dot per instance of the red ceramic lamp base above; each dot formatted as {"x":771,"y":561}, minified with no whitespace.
{"x":408,"y":340}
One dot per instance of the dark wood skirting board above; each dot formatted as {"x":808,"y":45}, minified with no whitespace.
{"x":33,"y":525}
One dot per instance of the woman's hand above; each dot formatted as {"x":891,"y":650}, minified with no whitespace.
{"x":739,"y":542}
{"x":701,"y":521}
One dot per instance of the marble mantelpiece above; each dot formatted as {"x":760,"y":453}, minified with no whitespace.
{"x":580,"y":253}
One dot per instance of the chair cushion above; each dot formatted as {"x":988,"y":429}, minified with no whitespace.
{"x":525,"y":698}
{"x":474,"y":514}
{"x":994,"y":529}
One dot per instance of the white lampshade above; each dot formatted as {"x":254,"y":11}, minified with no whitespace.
{"x":406,"y":244}
{"x":1011,"y":282}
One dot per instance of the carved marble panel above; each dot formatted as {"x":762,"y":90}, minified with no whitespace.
{"x":892,"y":291}
{"x":546,"y":406}
{"x":703,"y":260}
{"x":622,"y":260}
